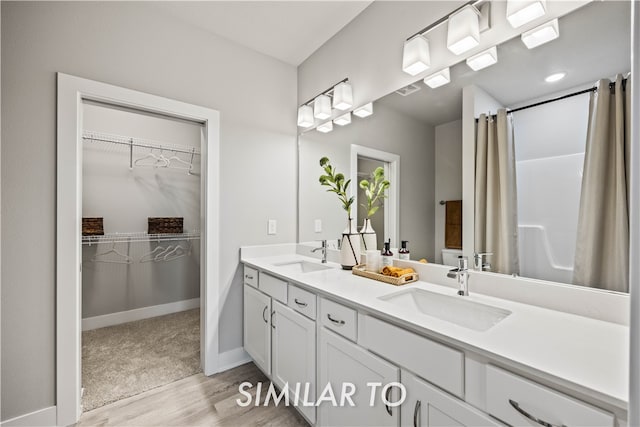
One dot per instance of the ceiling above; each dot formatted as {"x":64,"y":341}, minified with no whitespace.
{"x":594,"y":43}
{"x":286,"y":30}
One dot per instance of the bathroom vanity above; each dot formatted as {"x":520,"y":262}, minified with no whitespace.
{"x":475,"y":360}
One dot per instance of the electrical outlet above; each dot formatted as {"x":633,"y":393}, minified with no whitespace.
{"x":271,"y":226}
{"x":317,"y":226}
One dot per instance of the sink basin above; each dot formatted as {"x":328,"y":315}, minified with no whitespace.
{"x":458,"y":310}
{"x":301,"y":266}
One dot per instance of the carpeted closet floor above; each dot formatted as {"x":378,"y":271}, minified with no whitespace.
{"x":125,"y":360}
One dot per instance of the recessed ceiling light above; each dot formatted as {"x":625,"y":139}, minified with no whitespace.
{"x":438,"y":79}
{"x":483,"y":59}
{"x":555,"y":77}
{"x":541,"y":35}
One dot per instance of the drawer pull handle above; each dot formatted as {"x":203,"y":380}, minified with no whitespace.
{"x":264,"y":311}
{"x":337,"y":322}
{"x":524,"y":413}
{"x":387,"y":397}
{"x":273,"y":325}
{"x":300,"y":303}
{"x":416,"y":412}
{"x":248,"y":276}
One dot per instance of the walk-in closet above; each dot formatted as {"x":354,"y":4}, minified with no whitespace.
{"x":141,"y":217}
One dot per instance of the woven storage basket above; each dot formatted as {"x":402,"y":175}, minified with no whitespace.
{"x":359,"y":270}
{"x":92,"y":227}
{"x":166,"y":225}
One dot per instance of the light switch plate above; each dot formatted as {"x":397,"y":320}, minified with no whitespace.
{"x":317,"y":226}
{"x":271,"y":226}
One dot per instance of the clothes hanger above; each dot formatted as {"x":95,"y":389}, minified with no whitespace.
{"x":182,"y":164}
{"x":151,"y":160}
{"x":177,"y":252}
{"x":125,"y":259}
{"x":151,"y":255}
{"x":160,"y":256}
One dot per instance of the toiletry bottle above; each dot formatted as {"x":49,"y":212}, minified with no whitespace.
{"x":386,"y":260}
{"x":404,"y":252}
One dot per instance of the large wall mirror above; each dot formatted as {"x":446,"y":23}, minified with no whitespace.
{"x":552,"y":196}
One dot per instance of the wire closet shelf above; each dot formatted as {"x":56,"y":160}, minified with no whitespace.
{"x":91,"y":136}
{"x":139,"y":237}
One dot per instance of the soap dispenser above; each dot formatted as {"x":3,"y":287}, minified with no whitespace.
{"x":386,"y":260}
{"x":404,"y":251}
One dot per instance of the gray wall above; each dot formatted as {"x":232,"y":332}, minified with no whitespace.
{"x":385,"y":130}
{"x":137,"y":46}
{"x":448,"y":166}
{"x":125,"y":198}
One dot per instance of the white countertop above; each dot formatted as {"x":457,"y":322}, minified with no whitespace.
{"x":586,"y":355}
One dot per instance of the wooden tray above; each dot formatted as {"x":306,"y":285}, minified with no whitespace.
{"x":92,"y":227}
{"x":166,"y":225}
{"x":359,"y":270}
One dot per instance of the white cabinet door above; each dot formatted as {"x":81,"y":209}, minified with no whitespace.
{"x":342,"y":362}
{"x":257,"y":327}
{"x":425,"y":405}
{"x":294,"y":356}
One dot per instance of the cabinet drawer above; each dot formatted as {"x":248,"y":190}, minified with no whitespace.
{"x":339,"y":318}
{"x":510,"y":397}
{"x":273,"y":287}
{"x":302,"y":301}
{"x":250,"y":276}
{"x":436,"y":363}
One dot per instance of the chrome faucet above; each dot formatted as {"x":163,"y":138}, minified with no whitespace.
{"x":479,"y":263}
{"x":322,"y":248}
{"x":462,"y":274}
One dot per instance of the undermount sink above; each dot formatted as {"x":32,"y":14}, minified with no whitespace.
{"x":458,"y":310}
{"x":302,"y":266}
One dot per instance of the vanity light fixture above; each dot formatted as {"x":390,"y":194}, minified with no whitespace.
{"x":483,"y":59}
{"x":325,"y":127}
{"x":463,"y":32}
{"x":555,"y":77}
{"x":438,"y":79}
{"x":343,"y":120}
{"x":415,"y":55}
{"x":542,"y":34}
{"x":342,"y":96}
{"x":305,"y":116}
{"x":520,"y":12}
{"x":322,"y":107}
{"x":365,"y":111}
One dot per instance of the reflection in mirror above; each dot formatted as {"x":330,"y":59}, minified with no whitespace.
{"x":376,"y":222}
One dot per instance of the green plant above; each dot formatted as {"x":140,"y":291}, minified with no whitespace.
{"x":374,"y":190}
{"x":336,"y":183}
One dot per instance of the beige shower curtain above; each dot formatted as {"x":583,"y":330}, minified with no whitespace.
{"x":496,"y":217}
{"x":602,"y":249}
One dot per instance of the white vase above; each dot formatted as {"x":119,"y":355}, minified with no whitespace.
{"x":369,"y":237}
{"x":350,"y":246}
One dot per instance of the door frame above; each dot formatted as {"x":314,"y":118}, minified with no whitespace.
{"x":72,"y":91}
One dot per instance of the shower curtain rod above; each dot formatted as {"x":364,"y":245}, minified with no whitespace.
{"x":612,"y":86}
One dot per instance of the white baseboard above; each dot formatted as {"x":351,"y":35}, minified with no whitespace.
{"x":232,"y":358}
{"x":42,"y":417}
{"x":138,"y":314}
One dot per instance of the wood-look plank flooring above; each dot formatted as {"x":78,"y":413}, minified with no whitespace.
{"x":196,"y":401}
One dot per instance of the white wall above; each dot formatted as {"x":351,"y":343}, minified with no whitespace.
{"x":125,"y":198}
{"x":137,"y":46}
{"x":448,"y":175}
{"x":385,"y":130}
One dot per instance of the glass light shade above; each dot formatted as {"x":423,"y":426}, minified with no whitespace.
{"x":438,"y":79}
{"x":343,"y":96}
{"x":520,"y":12}
{"x":541,"y":35}
{"x":305,"y":116}
{"x":322,"y":107}
{"x":343,"y":120}
{"x":463,"y":31}
{"x":415,"y":56}
{"x":483,"y":59}
{"x":365,"y":111}
{"x":325,"y":127}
